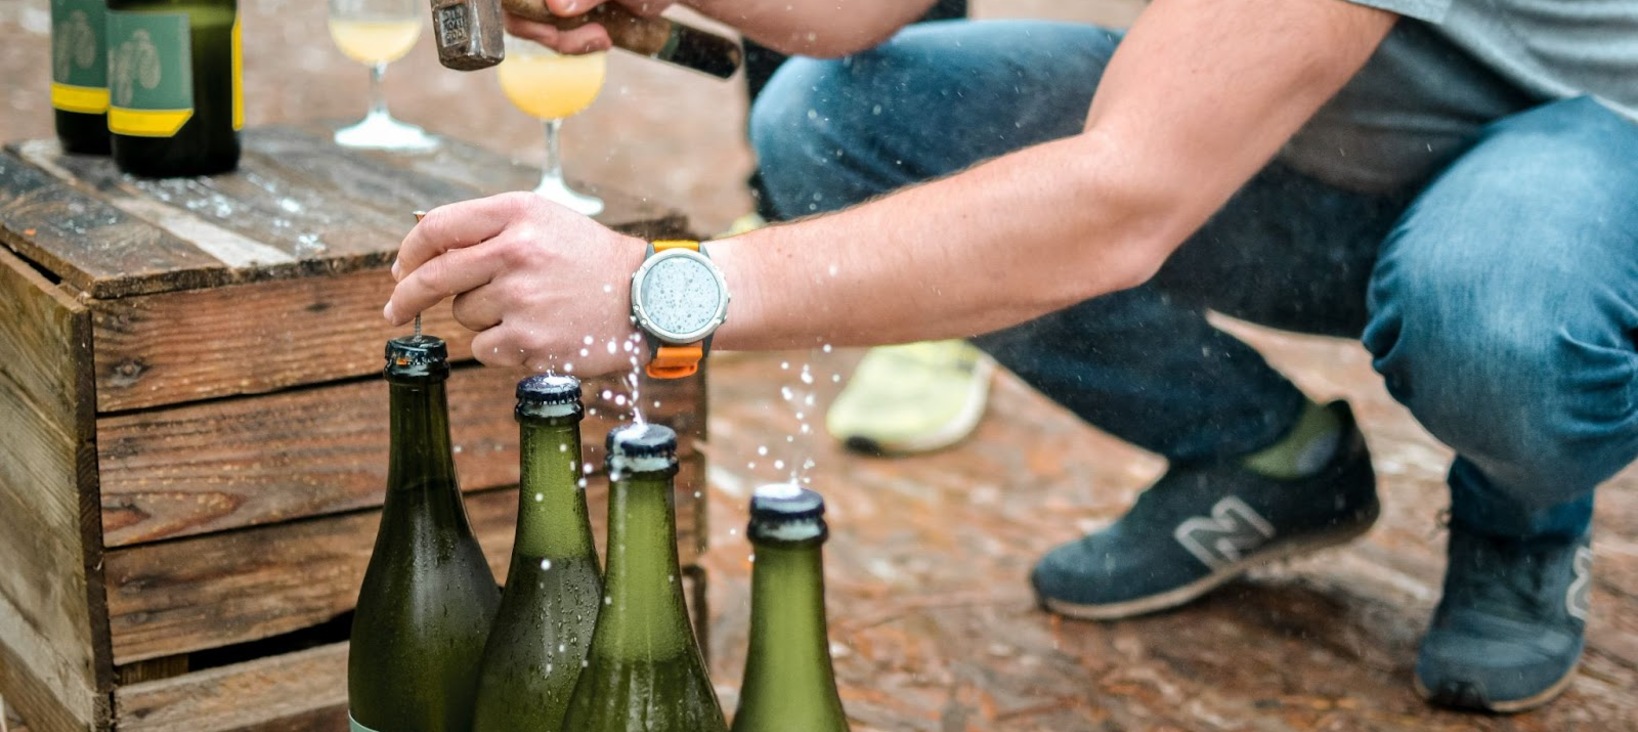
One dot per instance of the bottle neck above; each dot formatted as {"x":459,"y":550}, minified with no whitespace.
{"x":552,"y":517}
{"x":644,"y":617}
{"x":789,"y":654}
{"x":420,"y":457}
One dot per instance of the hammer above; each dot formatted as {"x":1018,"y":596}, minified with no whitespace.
{"x":469,"y":34}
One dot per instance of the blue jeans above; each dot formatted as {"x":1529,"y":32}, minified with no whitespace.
{"x":1494,"y":280}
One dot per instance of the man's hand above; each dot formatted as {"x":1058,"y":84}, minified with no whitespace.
{"x":543,"y":287}
{"x":587,"y":38}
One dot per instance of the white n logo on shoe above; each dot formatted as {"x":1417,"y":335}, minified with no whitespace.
{"x":1232,"y":530}
{"x":1578,"y":599}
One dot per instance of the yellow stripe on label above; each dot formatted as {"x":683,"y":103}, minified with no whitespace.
{"x":147,"y":122}
{"x":238,"y":78}
{"x":85,"y":99}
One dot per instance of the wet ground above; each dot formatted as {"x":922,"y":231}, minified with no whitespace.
{"x":931,"y":620}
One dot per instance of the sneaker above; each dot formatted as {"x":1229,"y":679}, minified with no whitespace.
{"x":1200,"y":526}
{"x":912,"y":398}
{"x":1509,"y":631}
{"x":749,"y":222}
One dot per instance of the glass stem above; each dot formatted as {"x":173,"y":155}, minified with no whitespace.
{"x":378,"y":97}
{"x":551,"y":172}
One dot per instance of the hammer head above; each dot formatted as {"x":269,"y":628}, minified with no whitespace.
{"x":470,"y":34}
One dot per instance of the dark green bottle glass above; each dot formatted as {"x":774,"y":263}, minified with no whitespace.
{"x":554,"y":588}
{"x":428,"y":596}
{"x":789,"y":685}
{"x":79,"y":75}
{"x":644,"y":670}
{"x":175,"y":105}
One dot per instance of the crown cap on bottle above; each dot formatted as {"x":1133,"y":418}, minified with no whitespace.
{"x":549,"y":396}
{"x":417,"y":357}
{"x":787,"y":512}
{"x":641,"y":447}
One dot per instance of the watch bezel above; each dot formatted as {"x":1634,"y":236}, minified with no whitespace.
{"x":641,"y":317}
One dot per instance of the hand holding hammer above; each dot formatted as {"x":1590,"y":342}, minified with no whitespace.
{"x":469,"y":34}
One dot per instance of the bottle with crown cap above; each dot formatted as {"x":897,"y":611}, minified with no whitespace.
{"x":789,"y":685}
{"x":644,"y":670}
{"x":554,"y":588}
{"x":428,"y":596}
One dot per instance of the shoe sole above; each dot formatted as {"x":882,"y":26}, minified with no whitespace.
{"x":951,"y":432}
{"x":1512,"y":706}
{"x":1193,"y":590}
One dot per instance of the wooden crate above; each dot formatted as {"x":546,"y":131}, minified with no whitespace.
{"x":192,"y":425}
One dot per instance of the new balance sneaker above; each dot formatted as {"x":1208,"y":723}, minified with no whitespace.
{"x":916,"y":397}
{"x":1200,"y":526}
{"x":1509,"y":631}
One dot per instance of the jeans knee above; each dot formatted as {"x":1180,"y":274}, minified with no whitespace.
{"x":789,"y":132}
{"x":1541,"y":402}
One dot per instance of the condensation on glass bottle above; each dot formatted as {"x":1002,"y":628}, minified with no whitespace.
{"x":428,"y":596}
{"x":644,"y":670}
{"x":789,"y":685}
{"x":554,"y":588}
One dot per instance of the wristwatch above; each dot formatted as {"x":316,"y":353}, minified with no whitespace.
{"x":678,"y":299}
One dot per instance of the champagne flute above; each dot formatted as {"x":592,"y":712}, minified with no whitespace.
{"x":550,"y":87}
{"x":376,"y":33}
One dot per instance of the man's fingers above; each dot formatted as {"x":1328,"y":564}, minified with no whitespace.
{"x":588,"y":38}
{"x":497,"y":347}
{"x":479,"y":309}
{"x":450,"y":274}
{"x":543,"y":33}
{"x":458,"y":225}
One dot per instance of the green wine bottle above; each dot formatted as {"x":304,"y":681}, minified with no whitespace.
{"x":644,"y":670}
{"x":789,"y":685}
{"x":554,"y":588}
{"x":79,"y":75}
{"x":428,"y":596}
{"x":175,"y":97}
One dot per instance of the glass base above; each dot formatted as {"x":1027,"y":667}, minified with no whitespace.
{"x":560,"y":193}
{"x":382,"y":132}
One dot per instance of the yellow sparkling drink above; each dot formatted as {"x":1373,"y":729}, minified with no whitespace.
{"x":551,"y":86}
{"x":375,"y":41}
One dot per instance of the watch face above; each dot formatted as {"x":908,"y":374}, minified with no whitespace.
{"x":680,"y":296}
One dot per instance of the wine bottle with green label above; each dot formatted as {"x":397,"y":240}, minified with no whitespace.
{"x":789,"y":685}
{"x":79,"y":75}
{"x":644,"y":670}
{"x":554,"y":588}
{"x":175,"y":97}
{"x":428,"y":597}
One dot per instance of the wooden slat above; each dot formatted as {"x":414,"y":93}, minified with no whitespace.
{"x":242,"y":462}
{"x":297,"y":206}
{"x":88,"y":243}
{"x":299,"y":691}
{"x":381,"y":182}
{"x":40,"y":684}
{"x":180,"y":347}
{"x":489,"y":173}
{"x":220,"y":589}
{"x":305,"y":686}
{"x":51,"y":610}
{"x":283,"y":220}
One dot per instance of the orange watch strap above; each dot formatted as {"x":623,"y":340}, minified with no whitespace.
{"x":661,"y":245}
{"x":676,"y":362}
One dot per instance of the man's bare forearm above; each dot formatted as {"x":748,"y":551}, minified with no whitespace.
{"x":996,"y":245}
{"x":1169,"y":138}
{"x":822,"y":28}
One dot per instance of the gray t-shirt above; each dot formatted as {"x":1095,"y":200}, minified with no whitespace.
{"x":1451,"y":66}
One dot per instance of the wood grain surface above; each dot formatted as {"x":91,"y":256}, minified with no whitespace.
{"x":52,"y":618}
